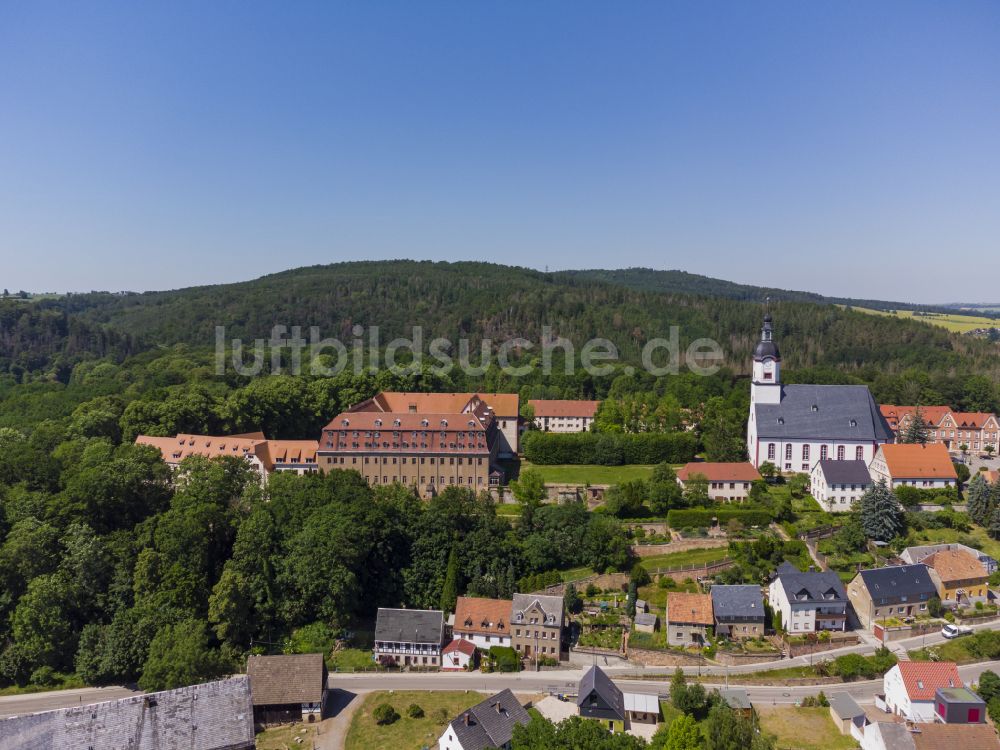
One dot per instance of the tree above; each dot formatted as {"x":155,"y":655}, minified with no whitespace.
{"x":663,"y":490}
{"x":916,"y":431}
{"x":572,"y":599}
{"x":449,"y":592}
{"x":627,"y":498}
{"x":881,"y":515}
{"x":639,"y":575}
{"x":180,"y":655}
{"x":798,"y":484}
{"x":385,"y":714}
{"x":934,"y":607}
{"x":683,"y":733}
{"x":962,"y":470}
{"x":994,"y":525}
{"x":989,"y":685}
{"x":529,"y":488}
{"x":768,"y":470}
{"x":696,"y":491}
{"x":630,"y":599}
{"x":723,"y":431}
{"x":977,"y":496}
{"x":726,"y":729}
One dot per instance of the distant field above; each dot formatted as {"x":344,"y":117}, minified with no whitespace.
{"x":957,"y":322}
{"x":589,"y":473}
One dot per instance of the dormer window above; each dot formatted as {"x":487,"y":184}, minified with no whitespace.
{"x":781,"y":420}
{"x":854,"y":423}
{"x":815,"y":407}
{"x":378,"y":422}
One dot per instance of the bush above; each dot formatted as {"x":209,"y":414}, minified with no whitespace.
{"x":701,"y":517}
{"x":609,"y":449}
{"x":592,"y":590}
{"x":385,"y":714}
{"x":854,"y":666}
{"x":414,"y":711}
{"x":505,"y":659}
{"x":44,"y":677}
{"x":934,"y":607}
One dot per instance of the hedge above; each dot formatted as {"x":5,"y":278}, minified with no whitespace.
{"x":698,"y":517}
{"x":609,"y":449}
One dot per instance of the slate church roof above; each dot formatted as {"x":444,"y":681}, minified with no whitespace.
{"x":823,"y":412}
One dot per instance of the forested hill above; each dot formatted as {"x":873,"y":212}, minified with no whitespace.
{"x":682,"y":282}
{"x":480,"y":300}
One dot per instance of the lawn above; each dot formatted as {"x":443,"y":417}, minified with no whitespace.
{"x":688,"y":557}
{"x":439,"y":707}
{"x":802,"y":728}
{"x":955,"y":322}
{"x":589,"y":473}
{"x":656,"y":596}
{"x":283,"y":737}
{"x":351,"y":660}
{"x":980,"y":539}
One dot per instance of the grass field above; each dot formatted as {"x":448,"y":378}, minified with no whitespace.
{"x":688,"y":557}
{"x":283,"y":738}
{"x":406,"y":733}
{"x":956,"y":323}
{"x":589,"y":473}
{"x":351,"y":660}
{"x":802,"y":728}
{"x":980,"y":539}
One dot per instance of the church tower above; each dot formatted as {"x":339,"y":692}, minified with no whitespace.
{"x":765,"y":387}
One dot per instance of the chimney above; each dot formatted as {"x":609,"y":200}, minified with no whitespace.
{"x":465,"y":718}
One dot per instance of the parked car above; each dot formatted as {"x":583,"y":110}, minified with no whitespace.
{"x":954,"y":631}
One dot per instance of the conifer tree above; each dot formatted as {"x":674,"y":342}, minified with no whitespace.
{"x":881,"y":514}
{"x":978,"y":500}
{"x":916,"y":431}
{"x":449,"y":592}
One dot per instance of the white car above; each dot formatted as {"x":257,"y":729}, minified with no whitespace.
{"x":954,"y":631}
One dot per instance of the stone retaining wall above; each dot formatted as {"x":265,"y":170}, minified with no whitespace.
{"x":653,"y":658}
{"x":735,"y":660}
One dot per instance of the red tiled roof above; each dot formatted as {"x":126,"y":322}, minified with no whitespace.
{"x":955,"y":736}
{"x":462,"y":645}
{"x":922,"y":678}
{"x":269,"y":452}
{"x":502,"y":404}
{"x":970,"y":419}
{"x":695,"y":609}
{"x":484,"y":616}
{"x":563,"y":408}
{"x":956,"y":565}
{"x":720,"y":472}
{"x":992,"y":476}
{"x":915,"y":461}
{"x":401,"y":432}
{"x":932,"y":414}
{"x":292,"y":451}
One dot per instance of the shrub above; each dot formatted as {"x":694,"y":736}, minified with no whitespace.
{"x":934,"y":607}
{"x":592,"y":590}
{"x":43,"y":676}
{"x":385,"y":714}
{"x":505,"y":658}
{"x":701,"y":517}
{"x":414,"y":711}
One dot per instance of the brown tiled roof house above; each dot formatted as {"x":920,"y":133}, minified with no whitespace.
{"x":287,"y":687}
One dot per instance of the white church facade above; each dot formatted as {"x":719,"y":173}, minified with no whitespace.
{"x":794,"y":426}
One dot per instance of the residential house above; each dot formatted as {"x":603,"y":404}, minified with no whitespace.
{"x":641,"y":708}
{"x":899,"y":418}
{"x":922,"y":466}
{"x":738,"y":611}
{"x":726,"y":481}
{"x":409,"y":637}
{"x":808,"y":602}
{"x":210,"y":716}
{"x":264,"y":456}
{"x":599,"y":698}
{"x":911,"y":686}
{"x":793,"y":426}
{"x":921,"y":552}
{"x":563,"y":416}
{"x":646,"y":622}
{"x":538,"y":621}
{"x":488,"y":724}
{"x":458,"y":656}
{"x":952,"y":736}
{"x":846,"y":713}
{"x":287,"y":688}
{"x":959,"y":706}
{"x":992,"y":476}
{"x":959,"y":576}
{"x":689,"y":616}
{"x":897,"y":591}
{"x":484,"y":622}
{"x":839,"y":485}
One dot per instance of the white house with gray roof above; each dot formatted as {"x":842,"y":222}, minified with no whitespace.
{"x":489,"y":724}
{"x":838,"y":485}
{"x":808,"y":602}
{"x":409,"y":637}
{"x":793,"y":426}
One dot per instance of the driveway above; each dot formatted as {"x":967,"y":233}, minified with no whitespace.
{"x":340,"y":707}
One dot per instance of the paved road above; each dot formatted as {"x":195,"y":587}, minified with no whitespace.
{"x":11,"y":705}
{"x":566,"y":681}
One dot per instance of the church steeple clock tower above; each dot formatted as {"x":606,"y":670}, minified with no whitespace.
{"x":765,"y":387}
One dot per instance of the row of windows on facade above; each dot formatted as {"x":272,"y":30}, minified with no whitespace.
{"x":732,"y":485}
{"x":457,"y":434}
{"x":405,"y":445}
{"x":452,"y":460}
{"x":824,"y":452}
{"x":428,"y":480}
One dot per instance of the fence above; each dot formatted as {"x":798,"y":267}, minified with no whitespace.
{"x":820,"y":532}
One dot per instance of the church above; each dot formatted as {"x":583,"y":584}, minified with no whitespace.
{"x":794,"y":426}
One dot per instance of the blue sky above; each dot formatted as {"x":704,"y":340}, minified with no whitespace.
{"x":847,"y":148}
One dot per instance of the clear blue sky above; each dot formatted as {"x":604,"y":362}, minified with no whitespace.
{"x":847,"y":148}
